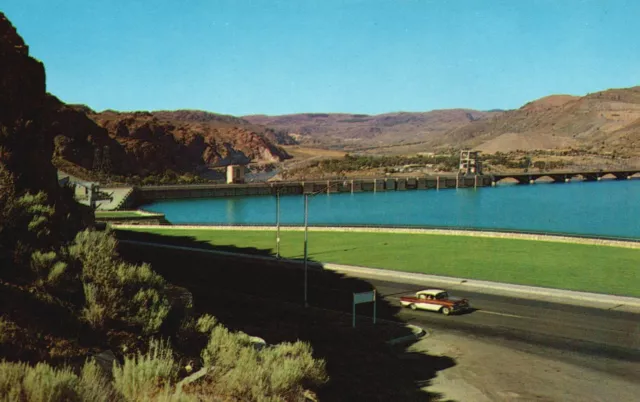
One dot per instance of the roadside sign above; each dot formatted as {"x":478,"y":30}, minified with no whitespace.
{"x":364,"y":297}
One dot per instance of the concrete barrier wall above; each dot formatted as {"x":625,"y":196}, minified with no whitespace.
{"x":142,"y":195}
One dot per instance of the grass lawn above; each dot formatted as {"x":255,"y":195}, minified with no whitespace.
{"x":122,"y":214}
{"x":603,"y":269}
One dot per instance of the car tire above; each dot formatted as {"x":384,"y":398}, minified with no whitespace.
{"x":445,"y":310}
{"x":413,"y":306}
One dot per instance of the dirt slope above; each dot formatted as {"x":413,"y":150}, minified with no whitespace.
{"x":604,"y":121}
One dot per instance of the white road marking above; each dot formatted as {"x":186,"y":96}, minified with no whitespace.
{"x":503,"y":314}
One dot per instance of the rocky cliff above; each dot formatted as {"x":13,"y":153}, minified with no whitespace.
{"x":37,"y":128}
{"x":191,"y":138}
{"x":142,"y":143}
{"x":26,"y":140}
{"x":25,"y":147}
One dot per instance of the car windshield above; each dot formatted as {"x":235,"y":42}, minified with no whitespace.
{"x":442,"y":296}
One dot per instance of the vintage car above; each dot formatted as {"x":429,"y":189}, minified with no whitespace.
{"x":435,"y":300}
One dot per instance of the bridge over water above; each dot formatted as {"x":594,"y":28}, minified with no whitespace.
{"x":566,"y":176}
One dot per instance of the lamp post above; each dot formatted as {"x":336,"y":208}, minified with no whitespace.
{"x":306,"y":226}
{"x":277,"y":223}
{"x":306,"y":240}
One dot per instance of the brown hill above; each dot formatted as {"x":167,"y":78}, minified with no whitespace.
{"x":142,"y":143}
{"x":355,"y":131}
{"x":601,"y":122}
{"x":38,"y":128}
{"x":186,"y":140}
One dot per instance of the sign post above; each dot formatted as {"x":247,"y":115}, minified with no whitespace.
{"x":364,"y":297}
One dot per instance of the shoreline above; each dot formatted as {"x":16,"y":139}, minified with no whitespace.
{"x":445,"y":232}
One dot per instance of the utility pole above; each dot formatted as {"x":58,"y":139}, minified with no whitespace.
{"x":277,"y":222}
{"x":306,"y":240}
{"x":306,"y":225}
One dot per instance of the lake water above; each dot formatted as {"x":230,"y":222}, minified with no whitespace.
{"x":607,"y":208}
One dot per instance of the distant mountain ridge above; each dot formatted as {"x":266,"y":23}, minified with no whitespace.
{"x":602,"y":122}
{"x":359,"y":130}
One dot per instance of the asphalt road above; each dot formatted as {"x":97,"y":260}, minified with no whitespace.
{"x":607,"y":340}
{"x":609,"y":327}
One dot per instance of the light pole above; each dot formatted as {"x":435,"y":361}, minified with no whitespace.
{"x":277,"y":223}
{"x":306,"y":226}
{"x":306,"y":239}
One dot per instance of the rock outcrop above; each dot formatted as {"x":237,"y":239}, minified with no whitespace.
{"x":186,"y":140}
{"x":39,"y":131}
{"x":26,"y":141}
{"x":25,"y":148}
{"x":143,"y":143}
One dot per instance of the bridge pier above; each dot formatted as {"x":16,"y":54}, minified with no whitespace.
{"x":422,"y":183}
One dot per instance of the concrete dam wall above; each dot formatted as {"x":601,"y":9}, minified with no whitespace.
{"x":148,"y":194}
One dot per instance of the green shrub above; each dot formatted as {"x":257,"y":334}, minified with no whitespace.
{"x":40,"y":383}
{"x":11,"y":375}
{"x":223,"y":348}
{"x":44,"y":383}
{"x":277,"y":373}
{"x":116,"y":290}
{"x":145,"y":376}
{"x":206,"y":323}
{"x":47,"y":267}
{"x":25,"y":226}
{"x":94,"y":385}
{"x":192,"y":335}
{"x":94,"y":311}
{"x":9,"y":334}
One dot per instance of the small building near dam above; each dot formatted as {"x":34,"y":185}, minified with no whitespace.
{"x":235,"y":174}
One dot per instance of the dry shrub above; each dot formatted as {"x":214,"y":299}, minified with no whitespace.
{"x":43,"y":383}
{"x":278,"y":373}
{"x":115,"y":290}
{"x":147,"y":376}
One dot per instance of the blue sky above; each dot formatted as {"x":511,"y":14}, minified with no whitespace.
{"x":356,"y":56}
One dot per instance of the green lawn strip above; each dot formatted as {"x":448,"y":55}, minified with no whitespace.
{"x":604,"y":269}
{"x":123,"y":214}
